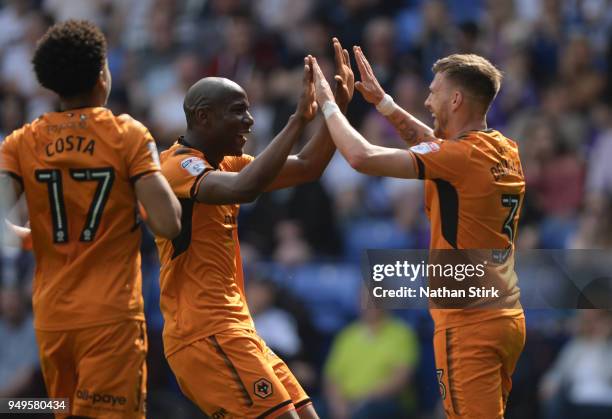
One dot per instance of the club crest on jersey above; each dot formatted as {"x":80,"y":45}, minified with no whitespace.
{"x":193,"y":165}
{"x":424,"y":148}
{"x":262,"y":388}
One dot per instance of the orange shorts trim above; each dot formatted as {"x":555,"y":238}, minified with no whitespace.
{"x":276,"y":411}
{"x":474,"y":365}
{"x":302,"y":404}
{"x":101,"y":370}
{"x":234,"y":373}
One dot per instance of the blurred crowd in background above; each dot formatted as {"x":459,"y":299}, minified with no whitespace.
{"x":302,"y":246}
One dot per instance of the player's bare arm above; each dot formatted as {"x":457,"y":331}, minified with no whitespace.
{"x":161,"y":205}
{"x":411,"y":129}
{"x":360,"y":154}
{"x":235,"y":188}
{"x":10,"y":190}
{"x":309,"y":164}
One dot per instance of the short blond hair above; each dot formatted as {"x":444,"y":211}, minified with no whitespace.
{"x":473,"y":73}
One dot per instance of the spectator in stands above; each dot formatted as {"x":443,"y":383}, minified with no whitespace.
{"x":552,"y":165}
{"x":579,"y":385}
{"x":18,"y":351}
{"x":595,"y":225}
{"x":370,"y":367}
{"x":599,"y":179}
{"x":275,"y":326}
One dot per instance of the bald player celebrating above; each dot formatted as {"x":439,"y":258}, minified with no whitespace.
{"x":474,"y":191}
{"x":210,"y":342}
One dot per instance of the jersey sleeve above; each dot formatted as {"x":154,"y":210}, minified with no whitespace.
{"x":236,"y":164}
{"x":184,"y":173}
{"x":142,"y":155}
{"x":441,"y":159}
{"x":9,"y":156}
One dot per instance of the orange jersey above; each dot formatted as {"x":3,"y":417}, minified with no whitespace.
{"x":202,"y":289}
{"x":78,"y":170}
{"x":473,"y":195}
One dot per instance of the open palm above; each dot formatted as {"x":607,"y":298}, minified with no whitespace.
{"x":368,"y":86}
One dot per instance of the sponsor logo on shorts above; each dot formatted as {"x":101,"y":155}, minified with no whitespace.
{"x":219,"y":414}
{"x":101,"y":398}
{"x":262,"y":388}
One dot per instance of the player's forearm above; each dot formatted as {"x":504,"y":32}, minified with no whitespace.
{"x":351,"y":144}
{"x":320,"y":149}
{"x":317,"y":153}
{"x":410,"y":129}
{"x":254,"y":178}
{"x":10,"y":191}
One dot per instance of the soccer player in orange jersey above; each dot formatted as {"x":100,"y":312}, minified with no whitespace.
{"x":210,"y":342}
{"x":473,"y":193}
{"x":83,"y":171}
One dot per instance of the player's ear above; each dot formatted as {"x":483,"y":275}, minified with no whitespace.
{"x":104,"y":80}
{"x":203,"y":115}
{"x":105,"y":75}
{"x":457,"y":99}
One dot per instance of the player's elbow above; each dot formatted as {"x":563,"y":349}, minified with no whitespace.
{"x":172,"y":228}
{"x":168,"y":224}
{"x":167,"y":229}
{"x":245,"y":197}
{"x":358,"y":160}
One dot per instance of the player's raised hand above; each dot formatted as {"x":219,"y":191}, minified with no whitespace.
{"x":345,"y":79}
{"x":323,"y":92}
{"x":307,"y":106}
{"x":368,"y":86}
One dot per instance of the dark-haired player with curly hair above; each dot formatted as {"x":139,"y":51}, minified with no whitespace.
{"x":83,"y":171}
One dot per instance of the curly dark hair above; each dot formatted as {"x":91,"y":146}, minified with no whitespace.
{"x":69,"y":57}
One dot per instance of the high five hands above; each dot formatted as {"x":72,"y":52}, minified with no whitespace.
{"x":344,"y":77}
{"x":369,"y":87}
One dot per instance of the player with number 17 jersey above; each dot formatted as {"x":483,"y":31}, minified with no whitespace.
{"x":77,"y":169}
{"x":83,"y":172}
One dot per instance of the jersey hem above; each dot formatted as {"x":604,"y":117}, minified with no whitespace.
{"x":186,"y":342}
{"x":517,"y":313}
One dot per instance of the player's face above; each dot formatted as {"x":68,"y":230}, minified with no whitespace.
{"x":438,"y":103}
{"x":236,"y":124}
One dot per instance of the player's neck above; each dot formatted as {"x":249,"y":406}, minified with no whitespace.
{"x":193,"y":140}
{"x":213,"y":158}
{"x":79,"y":102}
{"x":471,"y":124}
